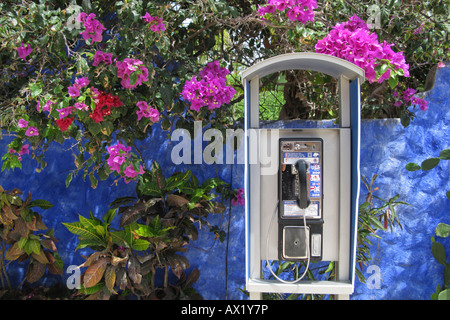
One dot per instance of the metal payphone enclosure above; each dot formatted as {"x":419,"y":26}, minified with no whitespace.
{"x":331,"y":214}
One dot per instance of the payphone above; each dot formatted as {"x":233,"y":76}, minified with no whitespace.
{"x":300,"y":209}
{"x":301,"y":200}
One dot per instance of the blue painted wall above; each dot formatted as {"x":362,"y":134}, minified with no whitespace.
{"x":407,"y":267}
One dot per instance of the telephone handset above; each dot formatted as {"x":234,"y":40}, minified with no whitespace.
{"x":303,"y":198}
{"x":300,"y":218}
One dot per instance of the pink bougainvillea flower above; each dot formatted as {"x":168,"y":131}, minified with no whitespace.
{"x":423,"y":104}
{"x":73,"y":91}
{"x":147,"y":111}
{"x":238,"y":199}
{"x":47,"y":106}
{"x":156,"y":24}
{"x":101,"y":56}
{"x":129,"y":171}
{"x":81,"y":82}
{"x":297,"y":10}
{"x":24,"y":52}
{"x":25,"y":149}
{"x":81,"y":106}
{"x":64,"y":112}
{"x":129,"y":66}
{"x":407,"y":98}
{"x":353,"y":42}
{"x":117,"y":155}
{"x":32,"y":131}
{"x":23,"y":123}
{"x":211,"y":90}
{"x":93,"y":27}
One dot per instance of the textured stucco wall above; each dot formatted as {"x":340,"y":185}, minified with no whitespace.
{"x":403,"y":257}
{"x":407,"y":267}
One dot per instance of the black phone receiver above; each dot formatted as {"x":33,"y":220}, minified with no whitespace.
{"x":303,"y":198}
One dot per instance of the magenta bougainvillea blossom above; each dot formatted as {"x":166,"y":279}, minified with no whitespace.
{"x":156,"y":24}
{"x":24,"y":51}
{"x":31,"y":131}
{"x":147,"y":111}
{"x":74,"y":91}
{"x":101,"y":56}
{"x":131,"y":173}
{"x":211,"y":90}
{"x":23,"y":123}
{"x":93,"y":28}
{"x":47,"y":106}
{"x":407,"y":98}
{"x":238,"y":199}
{"x":25,"y":149}
{"x":295,"y":10}
{"x":129,"y":66}
{"x":354,"y":42}
{"x":64,"y":112}
{"x":119,"y":154}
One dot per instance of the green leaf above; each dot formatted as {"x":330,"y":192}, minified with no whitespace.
{"x":175,"y":181}
{"x":36,"y":89}
{"x":447,"y":275}
{"x":22,"y":242}
{"x":94,"y":180}
{"x":443,"y":230}
{"x":69,"y":179}
{"x":121,"y":202}
{"x":89,"y":223}
{"x":430,"y":163}
{"x":150,"y":188}
{"x":120,"y":238}
{"x":405,"y":120}
{"x":438,"y":252}
{"x":109,"y":216}
{"x":82,"y":66}
{"x":140,"y":245}
{"x":43,"y":204}
{"x":448,"y":194}
{"x":158,"y":176}
{"x":92,"y":243}
{"x":445,"y":154}
{"x":80,"y":230}
{"x":133,"y":78}
{"x":376,"y":223}
{"x":412,"y":167}
{"x":444,"y":295}
{"x":330,"y":267}
{"x":95,"y":128}
{"x":91,"y":290}
{"x":211,"y":183}
{"x":393,"y":82}
{"x":166,"y":94}
{"x":58,"y":88}
{"x":32,"y":245}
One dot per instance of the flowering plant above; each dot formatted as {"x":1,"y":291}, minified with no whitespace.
{"x":297,"y":10}
{"x":354,"y":42}
{"x":210,"y":91}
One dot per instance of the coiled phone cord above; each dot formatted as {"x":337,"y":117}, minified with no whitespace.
{"x":267,"y":249}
